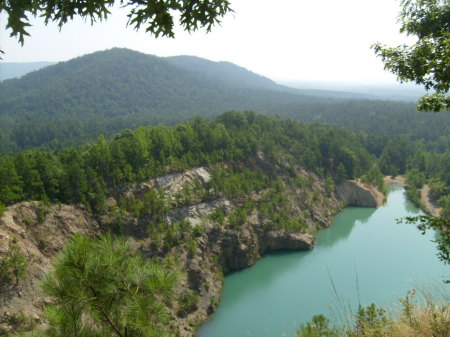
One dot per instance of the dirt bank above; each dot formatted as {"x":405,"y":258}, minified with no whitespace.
{"x":427,"y":202}
{"x":397,"y":180}
{"x":430,"y":206}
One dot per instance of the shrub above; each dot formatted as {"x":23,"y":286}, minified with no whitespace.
{"x":14,"y":264}
{"x":101,"y":288}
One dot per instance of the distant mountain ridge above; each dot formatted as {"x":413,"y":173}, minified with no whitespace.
{"x":108,"y":91}
{"x":120,"y":81}
{"x":75,"y":101}
{"x":226,"y":72}
{"x":18,"y":69}
{"x":223,"y":71}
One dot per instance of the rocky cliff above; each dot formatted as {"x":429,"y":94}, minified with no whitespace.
{"x":38,"y":232}
{"x":356,"y":193}
{"x":226,"y":232}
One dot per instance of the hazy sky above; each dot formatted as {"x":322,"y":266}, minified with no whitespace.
{"x":308,"y":40}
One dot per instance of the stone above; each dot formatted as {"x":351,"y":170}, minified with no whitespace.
{"x":355,"y":193}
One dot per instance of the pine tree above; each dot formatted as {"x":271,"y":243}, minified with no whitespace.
{"x":101,"y":288}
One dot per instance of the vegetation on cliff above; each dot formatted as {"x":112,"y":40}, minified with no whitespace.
{"x":101,"y":288}
{"x":88,"y":174}
{"x":217,"y":194}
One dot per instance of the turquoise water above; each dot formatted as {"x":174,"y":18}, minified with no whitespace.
{"x":365,"y":254}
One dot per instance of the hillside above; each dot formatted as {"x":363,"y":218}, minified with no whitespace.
{"x":116,"y":89}
{"x":73,"y":102}
{"x":231,"y":74}
{"x":207,"y":198}
{"x":381,"y":118}
{"x":224,"y":72}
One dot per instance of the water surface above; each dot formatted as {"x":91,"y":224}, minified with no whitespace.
{"x":365,"y":254}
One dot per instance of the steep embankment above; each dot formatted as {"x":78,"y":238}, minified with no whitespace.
{"x":356,"y":193}
{"x":39,"y":232}
{"x":217,"y":238}
{"x":397,"y":180}
{"x":426,"y":201}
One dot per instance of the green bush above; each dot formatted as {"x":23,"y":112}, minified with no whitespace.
{"x":12,"y":266}
{"x":101,"y":288}
{"x":187,"y":303}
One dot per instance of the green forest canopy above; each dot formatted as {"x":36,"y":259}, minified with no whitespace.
{"x":87,"y":173}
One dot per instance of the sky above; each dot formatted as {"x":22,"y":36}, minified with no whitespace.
{"x":286,"y":40}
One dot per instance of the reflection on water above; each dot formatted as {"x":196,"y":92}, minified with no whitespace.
{"x":284,"y":290}
{"x":347,"y":220}
{"x":263,"y":277}
{"x":409,"y":206}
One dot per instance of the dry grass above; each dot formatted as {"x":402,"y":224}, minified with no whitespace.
{"x":427,"y":317}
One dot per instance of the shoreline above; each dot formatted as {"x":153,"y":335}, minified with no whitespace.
{"x":430,"y":206}
{"x":426,"y":202}
{"x":397,"y":180}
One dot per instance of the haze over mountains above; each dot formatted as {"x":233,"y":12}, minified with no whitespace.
{"x":102,"y":93}
{"x":10,"y":70}
{"x":229,"y":73}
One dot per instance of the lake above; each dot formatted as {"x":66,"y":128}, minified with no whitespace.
{"x":364,"y":257}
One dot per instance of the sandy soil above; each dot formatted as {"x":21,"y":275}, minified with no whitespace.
{"x":428,"y":203}
{"x":425,"y":198}
{"x":398,"y":180}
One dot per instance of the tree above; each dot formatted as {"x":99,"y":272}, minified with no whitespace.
{"x":427,"y":61}
{"x":157,"y":15}
{"x":10,"y":182}
{"x":101,"y":288}
{"x":13,"y":263}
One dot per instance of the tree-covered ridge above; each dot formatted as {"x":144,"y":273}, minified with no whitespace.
{"x":73,"y":102}
{"x":403,"y":140}
{"x":87,"y":174}
{"x":105,"y":92}
{"x":225,"y":72}
{"x":380,"y":118}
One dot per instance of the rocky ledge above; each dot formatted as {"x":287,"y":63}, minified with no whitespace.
{"x":41,"y":231}
{"x":356,"y":193}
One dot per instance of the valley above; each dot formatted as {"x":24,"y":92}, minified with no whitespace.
{"x":134,"y":147}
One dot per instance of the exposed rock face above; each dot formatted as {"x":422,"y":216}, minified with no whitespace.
{"x":280,"y":240}
{"x":39,"y":232}
{"x":223,"y":250}
{"x":355,"y":193}
{"x":235,"y":249}
{"x":241,"y":249}
{"x":194,"y":213}
{"x":173,"y":183}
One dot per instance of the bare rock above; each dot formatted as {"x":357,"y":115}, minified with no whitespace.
{"x":355,"y":193}
{"x":281,"y":240}
{"x":40,"y":232}
{"x":173,"y":183}
{"x":195,"y":214}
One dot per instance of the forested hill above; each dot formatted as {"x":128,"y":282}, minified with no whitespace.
{"x":225,"y":72}
{"x":231,"y":74}
{"x":89,"y":173}
{"x":381,"y":118}
{"x":115,"y":89}
{"x":72,"y":102}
